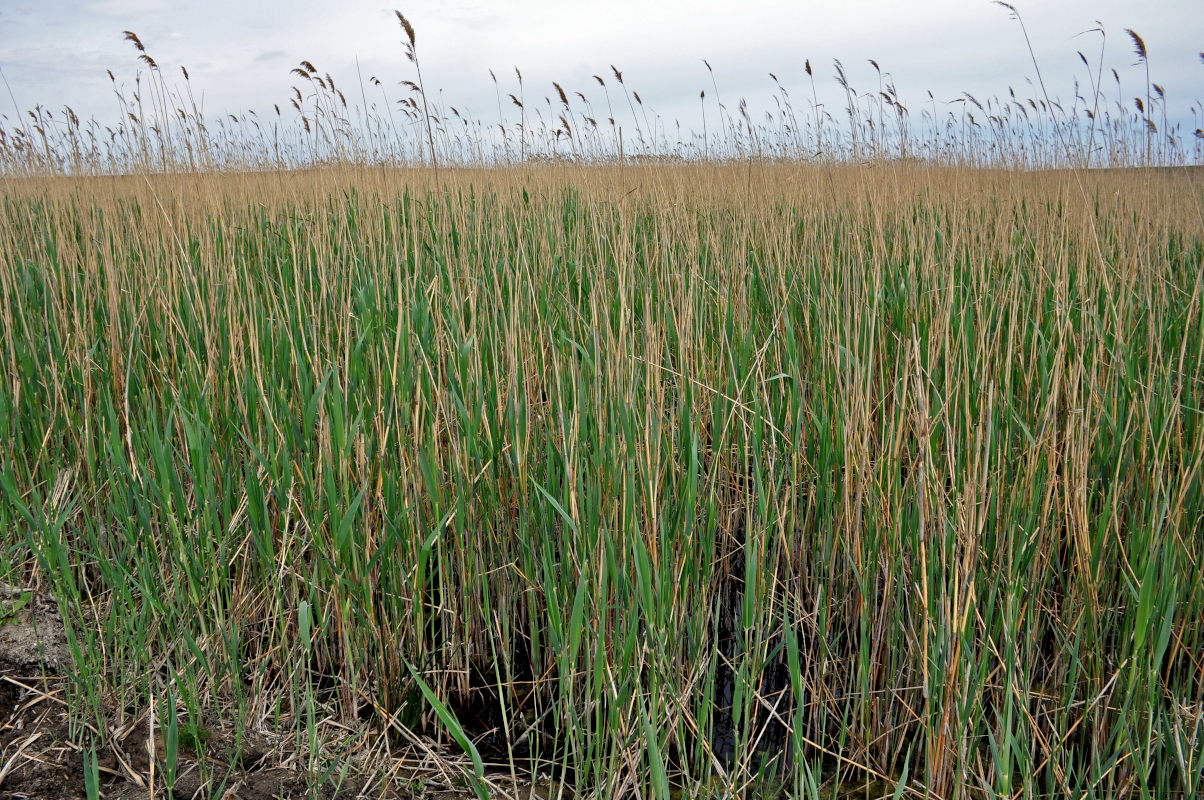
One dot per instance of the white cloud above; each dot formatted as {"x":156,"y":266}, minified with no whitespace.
{"x":124,"y":8}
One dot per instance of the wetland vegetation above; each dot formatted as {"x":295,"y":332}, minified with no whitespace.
{"x":804,"y":458}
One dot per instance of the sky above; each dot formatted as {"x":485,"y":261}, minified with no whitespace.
{"x":239,"y":52}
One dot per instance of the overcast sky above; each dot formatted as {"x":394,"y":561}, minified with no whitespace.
{"x":239,"y":52}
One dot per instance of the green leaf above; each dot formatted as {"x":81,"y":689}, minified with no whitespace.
{"x":457,"y":732}
{"x":559,"y":508}
{"x":10,"y":607}
{"x":576,"y":623}
{"x":656,"y":762}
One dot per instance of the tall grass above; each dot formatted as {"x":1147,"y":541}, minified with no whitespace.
{"x":908,"y":481}
{"x":701,"y":478}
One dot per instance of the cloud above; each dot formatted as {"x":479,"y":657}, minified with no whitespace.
{"x":123,"y":8}
{"x":269,"y":56}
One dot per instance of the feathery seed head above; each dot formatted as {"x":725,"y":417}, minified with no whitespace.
{"x":1138,"y":44}
{"x":406,"y":26}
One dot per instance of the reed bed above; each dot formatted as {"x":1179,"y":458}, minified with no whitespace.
{"x":796,"y":458}
{"x":656,"y":480}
